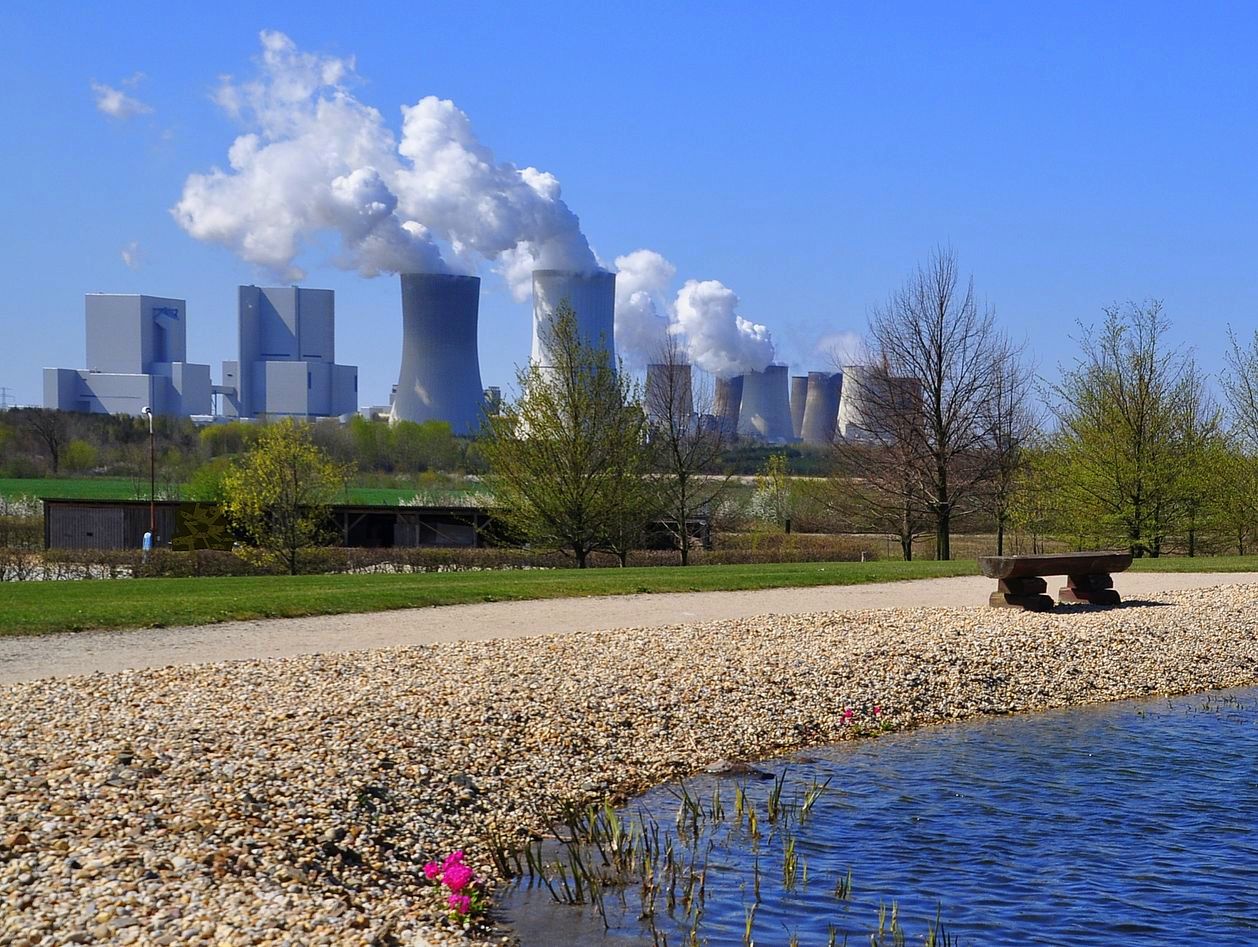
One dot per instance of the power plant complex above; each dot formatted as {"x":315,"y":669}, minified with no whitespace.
{"x":286,"y":365}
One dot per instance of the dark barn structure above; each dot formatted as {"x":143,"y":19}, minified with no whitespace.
{"x":187,"y":525}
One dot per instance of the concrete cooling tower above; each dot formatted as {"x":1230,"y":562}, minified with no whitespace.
{"x":766,"y":408}
{"x":667,"y":396}
{"x":729,"y":398}
{"x":592,"y":297}
{"x":821,"y":411}
{"x":799,"y":397}
{"x":440,"y":376}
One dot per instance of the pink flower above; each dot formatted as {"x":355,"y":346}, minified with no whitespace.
{"x":877,"y":709}
{"x":431,"y":871}
{"x":847,"y":714}
{"x":454,"y":858}
{"x":460,"y":902}
{"x":457,"y":877}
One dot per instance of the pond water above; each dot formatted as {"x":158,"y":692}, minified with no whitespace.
{"x":1115,"y":824}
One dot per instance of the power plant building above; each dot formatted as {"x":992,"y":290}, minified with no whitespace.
{"x":440,"y":375}
{"x":765,"y":411}
{"x":799,"y":397}
{"x":136,"y":351}
{"x":669,"y":394}
{"x":287,"y":365}
{"x":727,"y":402}
{"x":592,"y":297}
{"x":821,"y":407}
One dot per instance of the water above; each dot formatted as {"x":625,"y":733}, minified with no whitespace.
{"x":1121,"y":824}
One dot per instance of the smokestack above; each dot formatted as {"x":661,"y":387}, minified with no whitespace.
{"x":799,"y":397}
{"x":766,"y":409}
{"x":668,"y":396}
{"x":822,"y":408}
{"x":440,"y":375}
{"x":592,"y":297}
{"x":728,"y":400}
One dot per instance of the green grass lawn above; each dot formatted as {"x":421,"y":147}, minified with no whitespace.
{"x":71,"y":488}
{"x":37,"y":607}
{"x":123,"y":488}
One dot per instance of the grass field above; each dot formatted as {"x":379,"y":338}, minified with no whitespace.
{"x":123,"y":488}
{"x":38,"y":607}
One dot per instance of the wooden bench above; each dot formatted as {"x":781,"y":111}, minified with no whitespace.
{"x":1020,"y":582}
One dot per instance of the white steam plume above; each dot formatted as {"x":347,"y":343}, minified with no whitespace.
{"x":719,"y":340}
{"x":316,"y":159}
{"x":642,"y":310}
{"x":452,"y":183}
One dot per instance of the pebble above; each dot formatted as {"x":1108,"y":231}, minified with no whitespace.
{"x":294,"y":800}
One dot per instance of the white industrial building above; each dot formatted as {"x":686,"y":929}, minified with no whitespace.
{"x":136,"y":350}
{"x":287,"y":365}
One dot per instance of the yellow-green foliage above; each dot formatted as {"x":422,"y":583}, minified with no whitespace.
{"x":277,"y":496}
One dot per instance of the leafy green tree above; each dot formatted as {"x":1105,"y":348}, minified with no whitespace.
{"x":79,"y":456}
{"x":1132,"y":421}
{"x":278,"y":495}
{"x":773,"y":500}
{"x":566,"y":458}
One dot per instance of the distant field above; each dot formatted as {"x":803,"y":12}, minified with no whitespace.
{"x":123,"y":488}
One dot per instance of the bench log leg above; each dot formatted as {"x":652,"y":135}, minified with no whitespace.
{"x":1097,"y":589}
{"x":1027,"y":594}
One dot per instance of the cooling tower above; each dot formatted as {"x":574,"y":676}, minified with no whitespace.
{"x":440,"y":376}
{"x":766,"y":408}
{"x":729,"y":398}
{"x":821,"y":412}
{"x":857,"y":379}
{"x":592,"y":297}
{"x":667,"y":396}
{"x":799,"y":397}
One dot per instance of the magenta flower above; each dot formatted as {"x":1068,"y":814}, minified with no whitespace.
{"x":454,"y":858}
{"x":877,"y":709}
{"x":432,"y":871}
{"x":460,"y":903}
{"x":847,"y":714}
{"x":457,"y":877}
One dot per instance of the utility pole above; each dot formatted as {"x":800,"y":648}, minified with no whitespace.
{"x":7,"y":400}
{"x":148,"y":413}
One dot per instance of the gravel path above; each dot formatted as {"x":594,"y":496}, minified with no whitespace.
{"x":32,"y":657}
{"x":293,"y":800}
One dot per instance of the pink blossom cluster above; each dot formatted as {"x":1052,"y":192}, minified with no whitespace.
{"x":849,"y":713}
{"x":464,"y":898}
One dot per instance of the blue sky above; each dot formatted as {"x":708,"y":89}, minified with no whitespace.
{"x":805,"y":155}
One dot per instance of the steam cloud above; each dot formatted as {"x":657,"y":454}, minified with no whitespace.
{"x":315,"y":160}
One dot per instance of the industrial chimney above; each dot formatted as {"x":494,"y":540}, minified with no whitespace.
{"x":668,"y":393}
{"x":766,"y":410}
{"x":440,"y":376}
{"x":592,"y":297}
{"x":799,"y":397}
{"x":728,"y":400}
{"x":821,"y":411}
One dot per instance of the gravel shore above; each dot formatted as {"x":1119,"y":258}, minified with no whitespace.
{"x":294,"y":800}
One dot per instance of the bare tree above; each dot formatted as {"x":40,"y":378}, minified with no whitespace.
{"x":50,"y":429}
{"x":1240,"y":384}
{"x":687,"y":441}
{"x":872,"y":483}
{"x":935,"y":345}
{"x":1012,"y":420}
